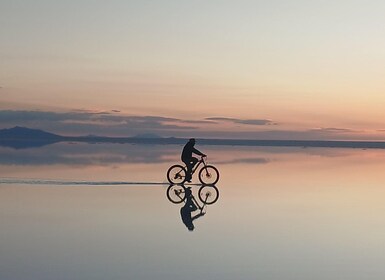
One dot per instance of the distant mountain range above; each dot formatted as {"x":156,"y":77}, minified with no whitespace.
{"x":19,"y":132}
{"x":22,"y":137}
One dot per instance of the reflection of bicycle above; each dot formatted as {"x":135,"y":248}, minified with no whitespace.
{"x":208,"y":174}
{"x":208,"y":194}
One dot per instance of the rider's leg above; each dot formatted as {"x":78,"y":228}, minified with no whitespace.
{"x":194,"y":161}
{"x":189,"y":169}
{"x":190,"y":200}
{"x":190,"y":165}
{"x":193,"y":207}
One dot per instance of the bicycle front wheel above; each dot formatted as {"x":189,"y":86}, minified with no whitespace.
{"x":176,"y":174}
{"x":208,"y":175}
{"x":208,"y":194}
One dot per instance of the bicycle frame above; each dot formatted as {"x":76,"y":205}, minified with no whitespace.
{"x":198,"y":205}
{"x":195,"y":168}
{"x":178,"y":193}
{"x":208,"y":174}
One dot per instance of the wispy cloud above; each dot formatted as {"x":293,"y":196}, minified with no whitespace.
{"x":86,"y":121}
{"x":242,"y":121}
{"x":114,"y":123}
{"x":258,"y":160}
{"x":335,"y":130}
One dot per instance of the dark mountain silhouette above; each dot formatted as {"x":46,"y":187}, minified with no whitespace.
{"x":21,"y":137}
{"x":19,"y":132}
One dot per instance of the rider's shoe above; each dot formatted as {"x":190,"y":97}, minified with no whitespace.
{"x":188,"y":178}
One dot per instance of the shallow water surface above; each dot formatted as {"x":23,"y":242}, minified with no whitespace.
{"x":75,"y":211}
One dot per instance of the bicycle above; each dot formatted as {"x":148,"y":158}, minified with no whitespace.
{"x":208,"y":194}
{"x":208,"y":174}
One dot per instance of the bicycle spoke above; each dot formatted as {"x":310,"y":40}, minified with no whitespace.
{"x":208,"y":175}
{"x":176,"y":174}
{"x":208,"y":194}
{"x":176,"y":193}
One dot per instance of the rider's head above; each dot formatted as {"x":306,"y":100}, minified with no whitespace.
{"x":192,"y":140}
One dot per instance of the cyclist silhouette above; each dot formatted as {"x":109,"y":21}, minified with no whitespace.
{"x":187,"y":209}
{"x":188,"y":159}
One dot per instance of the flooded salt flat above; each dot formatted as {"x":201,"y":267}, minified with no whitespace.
{"x":79,"y":211}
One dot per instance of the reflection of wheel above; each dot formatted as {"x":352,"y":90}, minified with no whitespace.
{"x":208,"y":175}
{"x":176,"y":174}
{"x":208,"y":194}
{"x":176,"y":193}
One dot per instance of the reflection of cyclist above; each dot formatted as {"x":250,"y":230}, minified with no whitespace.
{"x":187,"y":209}
{"x":188,"y":159}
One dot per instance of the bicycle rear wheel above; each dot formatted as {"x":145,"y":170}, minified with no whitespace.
{"x":208,"y":175}
{"x":176,"y":174}
{"x":176,"y":193}
{"x":208,"y":194}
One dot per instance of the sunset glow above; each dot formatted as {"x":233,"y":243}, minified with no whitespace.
{"x":306,"y":66}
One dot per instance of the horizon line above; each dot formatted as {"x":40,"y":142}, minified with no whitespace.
{"x":22,"y":139}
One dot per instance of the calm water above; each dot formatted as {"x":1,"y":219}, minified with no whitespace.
{"x":283,"y":213}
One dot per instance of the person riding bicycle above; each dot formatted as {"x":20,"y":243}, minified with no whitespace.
{"x":188,"y":159}
{"x":187,"y":209}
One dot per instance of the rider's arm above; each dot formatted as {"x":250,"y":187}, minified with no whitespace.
{"x":197,"y":216}
{"x":195,"y":151}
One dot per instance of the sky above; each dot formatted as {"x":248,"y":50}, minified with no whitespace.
{"x":231,"y":69}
